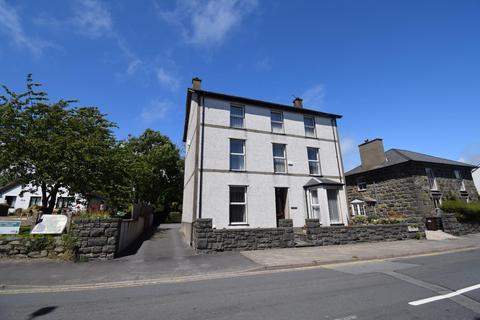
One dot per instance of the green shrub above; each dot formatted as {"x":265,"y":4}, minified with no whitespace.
{"x":463,"y":211}
{"x":174,"y":217}
{"x":93,"y":215}
{"x":359,"y":220}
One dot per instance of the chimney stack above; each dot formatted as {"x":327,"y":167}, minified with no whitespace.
{"x":196,"y":83}
{"x":298,"y":103}
{"x":372,"y":153}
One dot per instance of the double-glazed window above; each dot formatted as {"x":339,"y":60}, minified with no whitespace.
{"x":277,"y":121}
{"x":314,"y":204}
{"x":432,"y":181}
{"x":461,"y":182}
{"x":279,"y":158}
{"x":309,"y":123}
{"x":238,"y":204}
{"x":35,"y":201}
{"x":313,"y":161}
{"x":237,"y":116}
{"x":361,"y":184}
{"x":237,"y":155}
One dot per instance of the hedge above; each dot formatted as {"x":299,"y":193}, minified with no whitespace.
{"x":463,"y":211}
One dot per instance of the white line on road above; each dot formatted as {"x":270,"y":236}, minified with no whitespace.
{"x":444,"y":296}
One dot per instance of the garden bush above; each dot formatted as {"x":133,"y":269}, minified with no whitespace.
{"x":462,"y":210}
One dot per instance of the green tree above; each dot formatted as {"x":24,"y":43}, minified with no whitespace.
{"x":53,"y":145}
{"x":156,"y":168}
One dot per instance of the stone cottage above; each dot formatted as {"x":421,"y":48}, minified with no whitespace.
{"x":406,"y":183}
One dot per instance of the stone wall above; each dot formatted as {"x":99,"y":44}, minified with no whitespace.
{"x":453,"y":226}
{"x":205,"y":239}
{"x":96,"y":239}
{"x":334,"y":235}
{"x":404,"y":189}
{"x":32,"y":246}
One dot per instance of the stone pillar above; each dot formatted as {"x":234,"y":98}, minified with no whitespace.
{"x":202,"y":229}
{"x":285,"y":223}
{"x":288,"y":240}
{"x":312,"y":229}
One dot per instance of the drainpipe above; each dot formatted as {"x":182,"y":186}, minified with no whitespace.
{"x":202,"y":98}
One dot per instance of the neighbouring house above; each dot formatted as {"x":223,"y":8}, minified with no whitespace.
{"x":406,"y":183}
{"x":250,"y":163}
{"x":18,"y":196}
{"x":476,"y":177}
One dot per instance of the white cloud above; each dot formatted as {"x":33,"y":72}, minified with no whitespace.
{"x":314,"y":96}
{"x":156,"y":110}
{"x":263,"y":65}
{"x":92,"y":18}
{"x":11,"y":25}
{"x":167,"y":80}
{"x":207,"y":23}
{"x":350,"y":153}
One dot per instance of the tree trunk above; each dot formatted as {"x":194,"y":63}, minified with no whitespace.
{"x":52,"y":200}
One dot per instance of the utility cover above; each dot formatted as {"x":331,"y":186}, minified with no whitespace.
{"x":50,"y":224}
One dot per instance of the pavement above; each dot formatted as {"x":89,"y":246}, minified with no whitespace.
{"x":436,"y":287}
{"x":164,"y":257}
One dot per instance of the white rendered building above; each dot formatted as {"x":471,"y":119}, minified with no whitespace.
{"x":249,"y":163}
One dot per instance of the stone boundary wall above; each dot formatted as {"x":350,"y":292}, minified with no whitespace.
{"x":96,"y":239}
{"x":453,"y":226}
{"x":205,"y":239}
{"x":38,"y":246}
{"x":335,"y":235}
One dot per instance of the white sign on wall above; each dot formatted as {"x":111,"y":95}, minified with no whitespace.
{"x":50,"y":224}
{"x":9,"y":227}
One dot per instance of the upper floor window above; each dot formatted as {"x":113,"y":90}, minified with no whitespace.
{"x":237,"y":155}
{"x":309,"y":123}
{"x":313,"y":161}
{"x":238,"y":205}
{"x":361,"y":184}
{"x":432,"y":181}
{"x":461,"y":182}
{"x":237,"y":116}
{"x":277,"y":121}
{"x":279,"y":158}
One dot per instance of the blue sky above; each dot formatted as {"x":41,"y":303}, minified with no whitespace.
{"x":405,"y":71}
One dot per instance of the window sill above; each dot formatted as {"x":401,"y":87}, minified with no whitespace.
{"x":281,"y":173}
{"x":233,"y":170}
{"x":238,"y":225}
{"x":316,"y":175}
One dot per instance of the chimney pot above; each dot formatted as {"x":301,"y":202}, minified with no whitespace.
{"x":196,"y":83}
{"x":298,"y":103}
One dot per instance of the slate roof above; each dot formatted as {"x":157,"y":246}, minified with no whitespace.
{"x":255,"y":102}
{"x":321,"y":181}
{"x":397,"y":156}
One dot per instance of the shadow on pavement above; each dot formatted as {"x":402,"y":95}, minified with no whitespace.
{"x":41,"y":312}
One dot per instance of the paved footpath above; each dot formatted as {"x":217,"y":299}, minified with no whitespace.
{"x":165,"y":256}
{"x":295,"y":257}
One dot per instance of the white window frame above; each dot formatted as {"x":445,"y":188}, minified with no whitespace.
{"x":437,"y":200}
{"x":310,"y":127}
{"x":282,"y":130}
{"x":238,"y":154}
{"x":237,"y":116}
{"x":461,"y":181}
{"x":317,"y":152}
{"x":361,"y":181}
{"x":432,"y":180}
{"x":284,"y":158}
{"x":358,"y":208}
{"x":312,"y":205}
{"x":245,"y":218}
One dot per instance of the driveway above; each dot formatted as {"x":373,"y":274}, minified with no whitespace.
{"x":164,"y":254}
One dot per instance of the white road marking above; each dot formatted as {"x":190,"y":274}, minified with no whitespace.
{"x":444,"y":296}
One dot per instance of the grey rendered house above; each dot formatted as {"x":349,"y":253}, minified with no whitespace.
{"x":407,"y":183}
{"x":251,"y":163}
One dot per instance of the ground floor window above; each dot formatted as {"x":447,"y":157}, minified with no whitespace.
{"x":238,"y":204}
{"x":11,"y":201}
{"x":358,"y":208}
{"x":35,"y":201}
{"x":314,"y":204}
{"x":437,"y":202}
{"x":64,"y":202}
{"x":332,"y":196}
